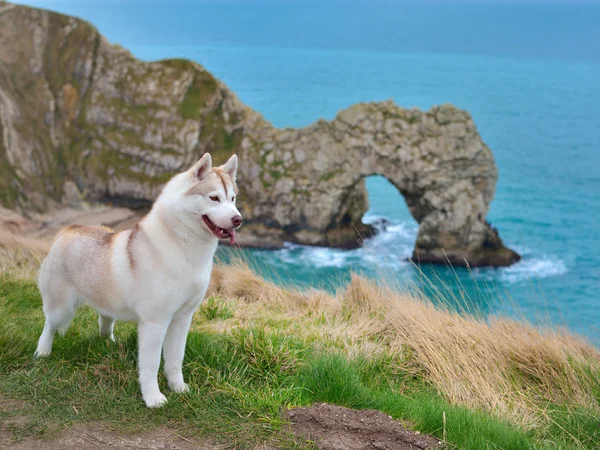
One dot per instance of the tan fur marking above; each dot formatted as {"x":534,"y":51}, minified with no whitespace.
{"x":98,"y":232}
{"x":233,"y":184}
{"x":226,"y":178}
{"x":204,"y":186}
{"x":129,"y":247}
{"x":102,"y":239}
{"x":221,"y":176}
{"x":71,"y":228}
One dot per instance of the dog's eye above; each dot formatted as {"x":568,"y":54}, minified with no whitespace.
{"x":214,"y":198}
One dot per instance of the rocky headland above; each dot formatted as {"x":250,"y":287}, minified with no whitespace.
{"x":83,"y":121}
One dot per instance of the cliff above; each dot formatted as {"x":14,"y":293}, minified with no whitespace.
{"x":80,"y":117}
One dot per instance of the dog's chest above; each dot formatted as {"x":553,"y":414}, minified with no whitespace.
{"x":187,"y":292}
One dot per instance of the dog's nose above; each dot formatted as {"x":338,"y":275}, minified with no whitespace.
{"x":236,"y":220}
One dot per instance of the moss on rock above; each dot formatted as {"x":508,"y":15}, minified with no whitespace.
{"x":200,"y":92}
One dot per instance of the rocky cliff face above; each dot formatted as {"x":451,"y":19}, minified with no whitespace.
{"x":82,"y":117}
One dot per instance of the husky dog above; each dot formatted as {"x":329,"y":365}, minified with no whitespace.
{"x":155,"y":273}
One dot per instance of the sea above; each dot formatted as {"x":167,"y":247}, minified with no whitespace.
{"x":527,"y":71}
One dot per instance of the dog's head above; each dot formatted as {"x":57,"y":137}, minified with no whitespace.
{"x":207,"y":198}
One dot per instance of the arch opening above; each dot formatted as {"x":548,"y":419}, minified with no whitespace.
{"x":394,"y":226}
{"x":386,"y":201}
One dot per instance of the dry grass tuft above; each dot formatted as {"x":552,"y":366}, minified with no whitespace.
{"x":509,"y":368}
{"x":501,"y":365}
{"x":21,"y":256}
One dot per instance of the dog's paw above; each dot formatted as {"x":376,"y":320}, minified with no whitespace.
{"x":179,"y":387}
{"x":155,"y":401}
{"x":40,"y":353}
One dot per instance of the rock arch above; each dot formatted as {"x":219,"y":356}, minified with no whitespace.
{"x":308,"y":185}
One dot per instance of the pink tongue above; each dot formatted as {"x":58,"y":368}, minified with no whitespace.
{"x":232,"y":237}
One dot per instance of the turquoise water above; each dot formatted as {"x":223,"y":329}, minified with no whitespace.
{"x":529,"y":73}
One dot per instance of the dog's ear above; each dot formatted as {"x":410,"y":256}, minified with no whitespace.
{"x":202,"y":167}
{"x":230,"y":167}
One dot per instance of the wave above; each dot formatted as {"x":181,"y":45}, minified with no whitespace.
{"x":389,"y":248}
{"x":533,"y":266}
{"x":393,"y":244}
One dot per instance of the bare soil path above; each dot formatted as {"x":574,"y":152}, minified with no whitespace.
{"x":334,"y":427}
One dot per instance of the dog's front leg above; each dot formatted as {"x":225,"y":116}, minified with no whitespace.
{"x":174,"y":349}
{"x":150,"y":340}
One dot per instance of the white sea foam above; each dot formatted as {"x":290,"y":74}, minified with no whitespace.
{"x":312,"y":256}
{"x":389,"y":249}
{"x":532,"y":269}
{"x":533,"y":266}
{"x":393,"y":244}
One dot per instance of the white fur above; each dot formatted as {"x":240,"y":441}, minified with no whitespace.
{"x":173,"y":254}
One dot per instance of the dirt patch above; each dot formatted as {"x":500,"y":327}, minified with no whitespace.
{"x":97,"y":435}
{"x":89,"y":436}
{"x":334,"y":427}
{"x":9,"y":404}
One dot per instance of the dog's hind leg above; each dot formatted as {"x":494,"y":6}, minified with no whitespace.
{"x":106,"y":324}
{"x":60,"y":306}
{"x":44,"y":346}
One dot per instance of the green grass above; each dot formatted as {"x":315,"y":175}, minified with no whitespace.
{"x":214,"y":308}
{"x":202,"y":89}
{"x":240,"y":382}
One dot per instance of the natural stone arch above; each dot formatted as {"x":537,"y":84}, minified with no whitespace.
{"x":311,"y":180}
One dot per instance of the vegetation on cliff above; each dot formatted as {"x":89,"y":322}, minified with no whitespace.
{"x":256,"y":348}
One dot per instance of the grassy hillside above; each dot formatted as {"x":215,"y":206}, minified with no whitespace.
{"x":256,"y":348}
